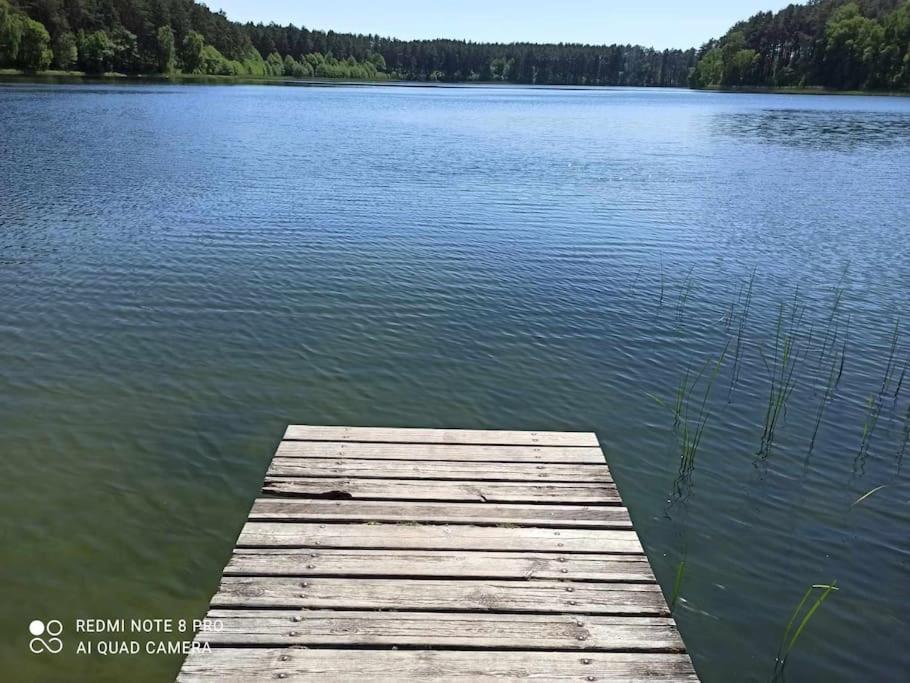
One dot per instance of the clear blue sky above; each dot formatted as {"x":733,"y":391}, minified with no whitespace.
{"x":660,"y":23}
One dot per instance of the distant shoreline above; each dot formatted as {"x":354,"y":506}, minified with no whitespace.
{"x":51,"y":76}
{"x":801,"y":90}
{"x":12,"y":75}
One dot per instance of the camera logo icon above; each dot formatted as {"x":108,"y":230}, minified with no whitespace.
{"x":46,"y":636}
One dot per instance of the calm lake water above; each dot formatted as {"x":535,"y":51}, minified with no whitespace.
{"x":184,"y":270}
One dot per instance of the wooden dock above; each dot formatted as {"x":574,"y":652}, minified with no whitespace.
{"x":395,"y":555}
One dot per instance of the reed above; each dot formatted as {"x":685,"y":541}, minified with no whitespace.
{"x":839,"y":291}
{"x":684,"y":293}
{"x":677,"y":582}
{"x":835,"y":373}
{"x":738,"y":347}
{"x":867,"y":494}
{"x":892,"y":351}
{"x":690,"y":418}
{"x":782,"y":373}
{"x":875,"y":402}
{"x":905,"y":441}
{"x":900,"y":380}
{"x":681,"y":392}
{"x":730,"y":311}
{"x":660,"y":301}
{"x":873,"y":410}
{"x":634,"y":287}
{"x":793,"y":630}
{"x":693,"y":431}
{"x":678,"y":402}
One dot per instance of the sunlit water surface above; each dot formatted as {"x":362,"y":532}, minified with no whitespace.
{"x":185,"y":270}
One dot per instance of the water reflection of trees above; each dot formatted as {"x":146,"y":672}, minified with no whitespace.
{"x":820,"y":129}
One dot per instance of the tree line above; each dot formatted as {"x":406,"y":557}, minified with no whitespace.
{"x":838,"y":44}
{"x":841,"y":44}
{"x":182,"y":36}
{"x":152,"y":37}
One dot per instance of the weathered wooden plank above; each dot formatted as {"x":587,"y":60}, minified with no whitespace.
{"x":438,"y":563}
{"x":433,"y":452}
{"x":442,"y":666}
{"x":458,"y":436}
{"x":542,"y":597}
{"x":301,"y":510}
{"x":512,"y":544}
{"x":276,"y":628}
{"x":407,"y":469}
{"x":438,"y":537}
{"x":460,"y":491}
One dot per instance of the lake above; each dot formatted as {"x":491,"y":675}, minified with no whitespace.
{"x":186,"y":269}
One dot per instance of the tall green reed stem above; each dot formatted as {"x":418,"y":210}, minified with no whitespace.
{"x":797,"y":623}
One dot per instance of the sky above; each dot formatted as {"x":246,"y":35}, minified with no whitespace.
{"x":657,"y":23}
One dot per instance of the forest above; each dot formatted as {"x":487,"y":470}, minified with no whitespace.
{"x":836,"y":44}
{"x":182,"y":36}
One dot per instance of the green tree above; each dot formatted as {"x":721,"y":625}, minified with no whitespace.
{"x":191,"y":54}
{"x":275,"y":64}
{"x":215,"y":63}
{"x":296,"y":69}
{"x":894,"y":57}
{"x":897,"y":33}
{"x":500,"y":69}
{"x":835,"y":43}
{"x":65,"y":52}
{"x":738,"y":61}
{"x":96,"y":52}
{"x":35,"y":52}
{"x":251,"y":62}
{"x":741,"y":70}
{"x":167,"y":52}
{"x":378,"y":61}
{"x":10,"y":34}
{"x":126,"y":51}
{"x":709,"y":72}
{"x":314,"y":59}
{"x":852,"y":45}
